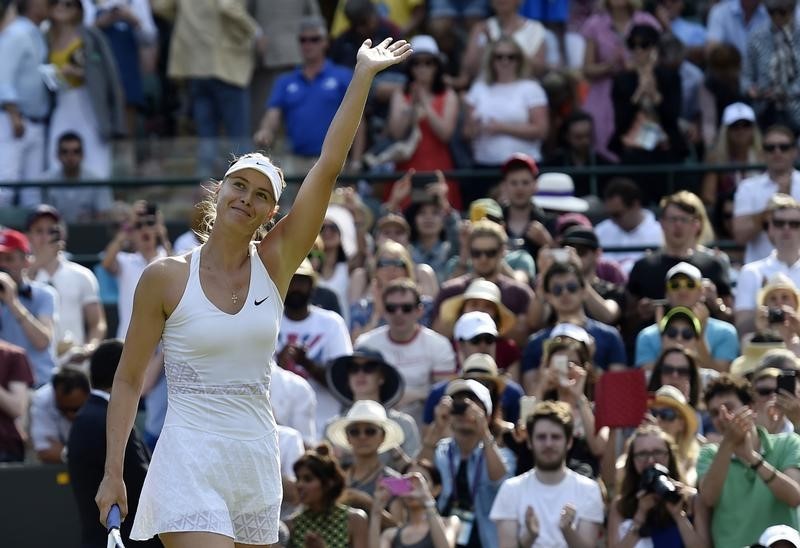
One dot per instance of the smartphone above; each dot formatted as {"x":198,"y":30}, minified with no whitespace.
{"x":527,"y":404}
{"x":151,"y":209}
{"x":459,"y":407}
{"x":787,"y":381}
{"x":398,"y":486}
{"x":560,"y":255}
{"x":561,"y":365}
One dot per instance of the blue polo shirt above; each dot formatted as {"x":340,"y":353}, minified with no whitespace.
{"x":308,"y":106}
{"x":609,"y":347}
{"x":41,"y":303}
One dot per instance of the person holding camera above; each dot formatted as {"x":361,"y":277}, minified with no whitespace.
{"x":471,"y":463}
{"x":749,"y":464}
{"x":782,"y":225}
{"x":550,"y":505}
{"x":654,"y":508}
{"x":778,"y":302}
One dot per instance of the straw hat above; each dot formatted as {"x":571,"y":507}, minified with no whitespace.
{"x":305,"y":269}
{"x":778,"y":281}
{"x":669,"y":396}
{"x":482,"y":289}
{"x":339,"y":383}
{"x":751,"y":357}
{"x":370,"y":412}
{"x":483,"y":367}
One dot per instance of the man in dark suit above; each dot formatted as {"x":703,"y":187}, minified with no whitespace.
{"x":86,"y":453}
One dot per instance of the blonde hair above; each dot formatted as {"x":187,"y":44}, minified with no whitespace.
{"x":780,"y":202}
{"x":390,"y":247}
{"x":721,"y":153}
{"x":484,"y":228}
{"x":488,"y":68}
{"x":690,"y":203}
{"x":208,"y":205}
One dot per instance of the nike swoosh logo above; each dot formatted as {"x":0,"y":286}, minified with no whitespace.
{"x":261,"y":301}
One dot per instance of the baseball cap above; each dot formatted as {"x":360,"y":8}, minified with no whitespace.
{"x":424,"y":43}
{"x":578,"y":235}
{"x":42,"y":210}
{"x":568,"y":220}
{"x":571,"y":331}
{"x":736,"y":112}
{"x":475,"y":388}
{"x":681,"y":312}
{"x":472,"y":324}
{"x":686,"y":269}
{"x":520,"y":160}
{"x":485,"y":208}
{"x":779,"y":532}
{"x":12,"y":240}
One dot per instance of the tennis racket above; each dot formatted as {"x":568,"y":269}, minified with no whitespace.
{"x":113,"y":523}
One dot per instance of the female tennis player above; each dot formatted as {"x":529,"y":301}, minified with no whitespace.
{"x":214,"y":481}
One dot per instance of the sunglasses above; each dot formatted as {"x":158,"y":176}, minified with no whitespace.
{"x":666,"y":414}
{"x":765,"y":391}
{"x":782,"y":223}
{"x":675,"y":370}
{"x":390,"y":262}
{"x":674,"y":285}
{"x":505,"y":57}
{"x":488,"y":253}
{"x":367,"y":431}
{"x":783,"y":147}
{"x":407,"y":308}
{"x":687,"y":333}
{"x":142,"y":224}
{"x":369,"y":367}
{"x":483,"y":338}
{"x":310,"y":39}
{"x":570,"y":287}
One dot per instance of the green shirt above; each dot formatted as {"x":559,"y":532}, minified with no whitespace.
{"x":746,"y":505}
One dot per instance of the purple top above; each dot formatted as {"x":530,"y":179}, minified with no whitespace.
{"x":609,"y":47}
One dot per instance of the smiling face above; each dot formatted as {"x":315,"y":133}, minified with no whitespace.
{"x":648,"y":450}
{"x":245,"y":200}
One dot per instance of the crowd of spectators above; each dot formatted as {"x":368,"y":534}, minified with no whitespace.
{"x":459,"y":363}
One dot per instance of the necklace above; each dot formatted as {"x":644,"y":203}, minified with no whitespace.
{"x":234,"y":297}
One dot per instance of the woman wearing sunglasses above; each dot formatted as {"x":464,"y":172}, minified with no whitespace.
{"x":676,"y":417}
{"x":639,"y":517}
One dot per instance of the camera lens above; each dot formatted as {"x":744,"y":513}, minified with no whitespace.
{"x":656,"y":480}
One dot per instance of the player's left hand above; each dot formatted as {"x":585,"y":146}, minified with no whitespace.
{"x":382,"y":56}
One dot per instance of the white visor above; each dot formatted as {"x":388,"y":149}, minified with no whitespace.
{"x":262,"y":165}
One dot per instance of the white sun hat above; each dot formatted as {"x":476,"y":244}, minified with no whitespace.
{"x":556,"y":191}
{"x":371,"y":412}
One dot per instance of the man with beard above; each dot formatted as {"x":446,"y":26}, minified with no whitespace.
{"x":309,"y":338}
{"x":550,"y":505}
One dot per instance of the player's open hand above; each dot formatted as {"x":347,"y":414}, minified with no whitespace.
{"x":382,"y":56}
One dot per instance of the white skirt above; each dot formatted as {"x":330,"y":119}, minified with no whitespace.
{"x":205,"y":482}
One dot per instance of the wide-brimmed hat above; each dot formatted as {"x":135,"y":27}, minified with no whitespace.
{"x":339,"y":384}
{"x":483,"y":289}
{"x":669,"y":396}
{"x":778,"y":281}
{"x":483,"y":367}
{"x":556,"y":192}
{"x":752,"y":354}
{"x":343,"y":219}
{"x":371,"y":412}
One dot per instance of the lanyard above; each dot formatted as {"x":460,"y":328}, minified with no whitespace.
{"x":454,"y":472}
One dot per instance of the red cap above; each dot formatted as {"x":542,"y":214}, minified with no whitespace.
{"x":518,"y":159}
{"x":568,"y":220}
{"x":11,"y":240}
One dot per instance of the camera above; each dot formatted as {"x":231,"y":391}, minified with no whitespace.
{"x":656,"y":480}
{"x":775,"y":315}
{"x":459,"y":407}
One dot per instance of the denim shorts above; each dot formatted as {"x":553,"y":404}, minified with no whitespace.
{"x":458,"y":8}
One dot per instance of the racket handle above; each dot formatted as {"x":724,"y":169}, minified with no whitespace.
{"x":114,"y":518}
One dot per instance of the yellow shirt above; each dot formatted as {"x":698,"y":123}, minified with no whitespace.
{"x":72,"y":54}
{"x":397,"y":11}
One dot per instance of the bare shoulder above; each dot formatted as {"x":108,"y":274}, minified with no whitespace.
{"x":356,"y":516}
{"x":167,"y":277}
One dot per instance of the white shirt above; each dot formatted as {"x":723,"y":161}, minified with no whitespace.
{"x":647,"y":233}
{"x":755,"y":275}
{"x":47,"y":422}
{"x":516,"y":494}
{"x":325,"y":337}
{"x":418,"y":360}
{"x":752,"y":196}
{"x":76,"y":287}
{"x":294,"y":403}
{"x":509,"y":103}
{"x":130,"y":268}
{"x":291,"y":447}
{"x":185,"y":242}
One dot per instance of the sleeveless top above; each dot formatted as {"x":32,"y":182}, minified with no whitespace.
{"x":424,"y":542}
{"x":218,"y":364}
{"x":331,"y":526}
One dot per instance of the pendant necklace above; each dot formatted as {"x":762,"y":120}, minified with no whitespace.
{"x":234,"y":297}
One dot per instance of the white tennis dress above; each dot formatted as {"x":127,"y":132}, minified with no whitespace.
{"x":216,"y":466}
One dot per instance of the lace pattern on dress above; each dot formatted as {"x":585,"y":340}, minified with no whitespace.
{"x":250,"y":528}
{"x":182,"y":378}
